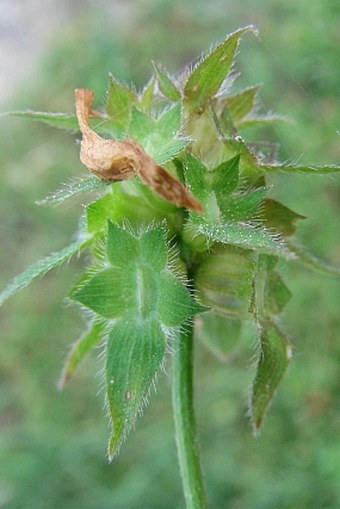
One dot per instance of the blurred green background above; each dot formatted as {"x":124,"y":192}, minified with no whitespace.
{"x":53,"y":444}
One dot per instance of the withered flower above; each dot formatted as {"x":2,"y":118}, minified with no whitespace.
{"x":111,"y":159}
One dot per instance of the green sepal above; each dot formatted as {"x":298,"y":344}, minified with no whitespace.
{"x":271,"y":294}
{"x":214,"y":188}
{"x":159,"y":137}
{"x":274,"y":357}
{"x":242,"y":103}
{"x":162,"y":153}
{"x":135,"y":351}
{"x":195,"y":177}
{"x":42,"y":266}
{"x":236,"y":144}
{"x":208,"y":75}
{"x":226,"y":177}
{"x":175,"y":304}
{"x":125,"y":202}
{"x":169,"y":123}
{"x":279,"y":217}
{"x":219,"y":334}
{"x":141,"y":126}
{"x":241,"y":207}
{"x":166,"y":84}
{"x":153,"y":207}
{"x":146,"y":96}
{"x":119,"y":102}
{"x":81,"y":347}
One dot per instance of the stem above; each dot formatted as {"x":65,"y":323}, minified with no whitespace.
{"x":185,"y":425}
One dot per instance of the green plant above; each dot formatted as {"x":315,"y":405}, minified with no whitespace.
{"x":195,"y":259}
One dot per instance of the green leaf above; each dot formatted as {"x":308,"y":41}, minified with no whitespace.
{"x":135,"y":352}
{"x":208,"y":75}
{"x":243,"y":235}
{"x":80,"y":186}
{"x":275,"y":354}
{"x":224,"y":282}
{"x":225,"y":177}
{"x":69,"y":122}
{"x":41,"y":267}
{"x":219,"y":334}
{"x":320,"y":170}
{"x":122,"y":247}
{"x":59,"y":120}
{"x":175,"y":304}
{"x":279,"y":217}
{"x":110,"y":293}
{"x":120,"y":100}
{"x":242,"y":103}
{"x":166,"y":84}
{"x":80,"y":348}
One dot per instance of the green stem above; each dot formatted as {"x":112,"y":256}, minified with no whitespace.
{"x":185,"y":426}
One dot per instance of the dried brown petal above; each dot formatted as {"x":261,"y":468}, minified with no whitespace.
{"x":119,"y":160}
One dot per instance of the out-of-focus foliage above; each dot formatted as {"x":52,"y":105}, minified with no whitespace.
{"x":52,"y":444}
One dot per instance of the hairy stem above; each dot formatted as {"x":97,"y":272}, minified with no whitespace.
{"x":185,"y":425}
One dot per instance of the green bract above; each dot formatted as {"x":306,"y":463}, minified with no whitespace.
{"x":142,"y":302}
{"x":159,"y":270}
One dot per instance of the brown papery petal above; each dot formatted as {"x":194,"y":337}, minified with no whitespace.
{"x":123,"y":159}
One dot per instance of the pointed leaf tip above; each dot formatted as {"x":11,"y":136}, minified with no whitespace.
{"x":41,"y":267}
{"x":119,"y":102}
{"x":166,"y":84}
{"x":275,"y":355}
{"x":79,"y":350}
{"x":208,"y":75}
{"x":175,"y":304}
{"x":75,"y":188}
{"x":135,"y":351}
